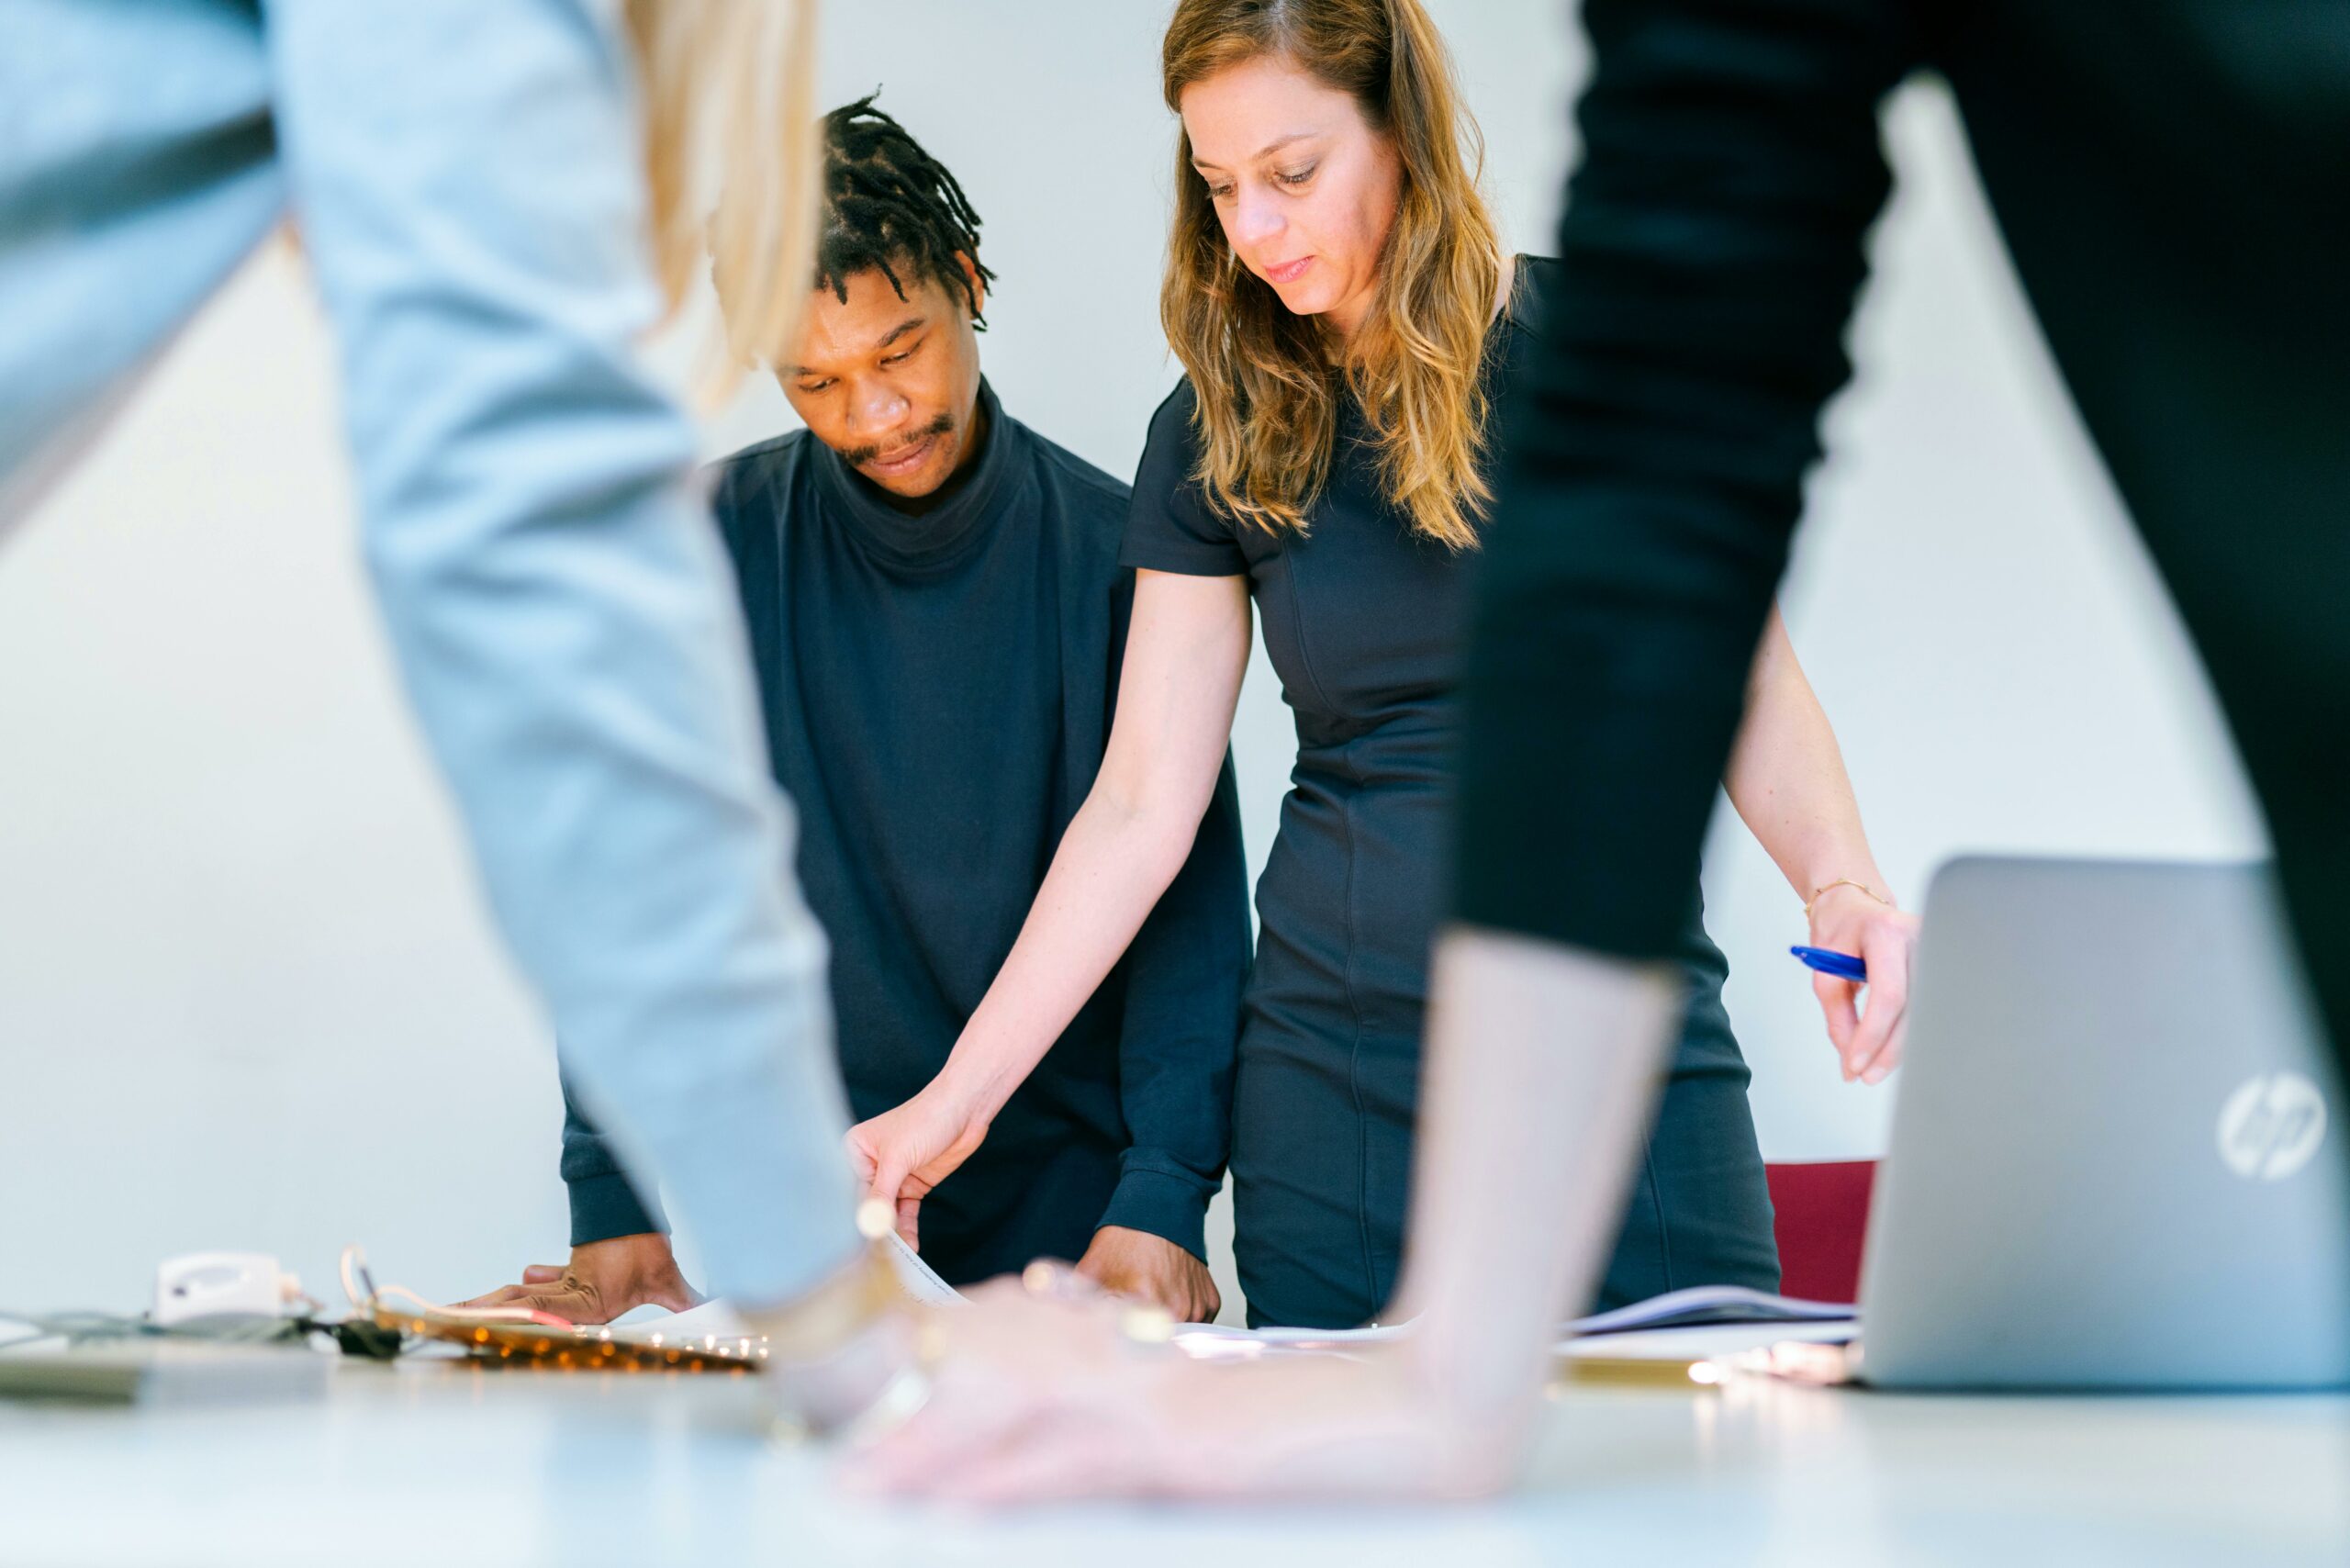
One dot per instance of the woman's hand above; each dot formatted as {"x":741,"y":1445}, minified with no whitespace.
{"x":901,"y":1154}
{"x":1847,"y":919}
{"x":1788,"y":780}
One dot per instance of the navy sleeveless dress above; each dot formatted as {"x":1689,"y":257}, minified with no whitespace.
{"x":1363,"y":622}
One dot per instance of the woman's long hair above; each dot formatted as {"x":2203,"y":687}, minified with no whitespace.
{"x":730,"y":155}
{"x":1268,"y":381}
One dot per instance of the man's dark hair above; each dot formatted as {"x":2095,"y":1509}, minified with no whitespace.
{"x":888,"y":204}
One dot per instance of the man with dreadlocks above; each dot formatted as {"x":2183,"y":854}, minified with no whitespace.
{"x":937,"y":618}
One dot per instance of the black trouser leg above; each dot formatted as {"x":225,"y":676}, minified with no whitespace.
{"x":2264,"y":586}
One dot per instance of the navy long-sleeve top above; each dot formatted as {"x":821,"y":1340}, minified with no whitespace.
{"x":938,"y":690}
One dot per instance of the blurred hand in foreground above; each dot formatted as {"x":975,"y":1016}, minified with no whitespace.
{"x":1033,"y":1406}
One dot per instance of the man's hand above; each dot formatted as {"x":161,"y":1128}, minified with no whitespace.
{"x":1143,"y":1267}
{"x":604,"y":1280}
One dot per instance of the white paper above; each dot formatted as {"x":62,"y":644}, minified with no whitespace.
{"x":918,"y":1279}
{"x":1658,"y":1319}
{"x":712,"y":1320}
{"x":717,"y":1319}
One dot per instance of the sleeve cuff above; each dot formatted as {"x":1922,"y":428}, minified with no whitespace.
{"x":1171,"y":1208}
{"x":605,"y":1206}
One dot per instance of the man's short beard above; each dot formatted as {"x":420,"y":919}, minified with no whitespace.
{"x":858,"y":456}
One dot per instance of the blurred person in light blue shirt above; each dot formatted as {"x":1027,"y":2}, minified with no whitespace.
{"x":469,"y":185}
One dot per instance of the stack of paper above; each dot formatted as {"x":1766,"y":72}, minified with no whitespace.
{"x":1709,"y":1304}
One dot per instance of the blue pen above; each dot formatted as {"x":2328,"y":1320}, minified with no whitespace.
{"x":1827,"y":961}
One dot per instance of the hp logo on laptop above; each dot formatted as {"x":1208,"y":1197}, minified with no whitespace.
{"x":2271,"y":1126}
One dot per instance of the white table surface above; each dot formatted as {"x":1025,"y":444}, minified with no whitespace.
{"x":432,"y":1464}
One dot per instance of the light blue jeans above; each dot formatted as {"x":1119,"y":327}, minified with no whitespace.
{"x":466,"y":181}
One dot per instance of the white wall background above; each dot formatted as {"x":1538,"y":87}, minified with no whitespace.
{"x":247,"y":998}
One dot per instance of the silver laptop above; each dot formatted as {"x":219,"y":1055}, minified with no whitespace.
{"x":2117,"y":1160}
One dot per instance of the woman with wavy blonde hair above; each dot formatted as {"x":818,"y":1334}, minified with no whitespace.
{"x":1351,"y":333}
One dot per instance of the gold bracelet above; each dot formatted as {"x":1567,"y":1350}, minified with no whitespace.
{"x":812,"y":1347}
{"x":843,"y":1306}
{"x":1822,"y":892}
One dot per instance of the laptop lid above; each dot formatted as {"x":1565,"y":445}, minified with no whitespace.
{"x":2117,"y":1157}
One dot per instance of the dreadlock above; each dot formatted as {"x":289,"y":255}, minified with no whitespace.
{"x":888,"y":204}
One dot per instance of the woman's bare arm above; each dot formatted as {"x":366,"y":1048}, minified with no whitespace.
{"x":1186,"y":652}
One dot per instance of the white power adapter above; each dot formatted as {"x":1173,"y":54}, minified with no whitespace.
{"x":222,"y":1284}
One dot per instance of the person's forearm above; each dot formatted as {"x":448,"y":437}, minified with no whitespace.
{"x":1178,"y":1035}
{"x":1115,"y":861}
{"x":1542,"y":1064}
{"x":1786,"y":777}
{"x":1179,"y":679}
